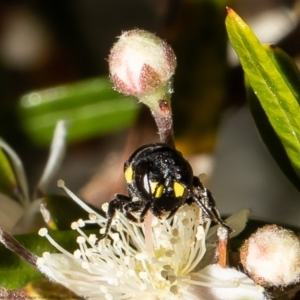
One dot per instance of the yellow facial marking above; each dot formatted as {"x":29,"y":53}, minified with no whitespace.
{"x":178,"y":189}
{"x":155,"y":189}
{"x":128,"y":174}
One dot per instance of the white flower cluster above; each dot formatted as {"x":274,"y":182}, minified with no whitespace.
{"x":133,"y":263}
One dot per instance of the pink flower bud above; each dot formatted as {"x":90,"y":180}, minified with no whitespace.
{"x":140,"y":63}
{"x":271,"y":256}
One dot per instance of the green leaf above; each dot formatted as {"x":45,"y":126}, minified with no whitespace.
{"x":291,"y":74}
{"x":287,"y":68}
{"x":8,"y":181}
{"x":12,"y":167}
{"x":269,"y":85}
{"x":16,"y":273}
{"x":92,"y":107}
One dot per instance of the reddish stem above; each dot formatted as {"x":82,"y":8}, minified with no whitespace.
{"x":164,"y":122}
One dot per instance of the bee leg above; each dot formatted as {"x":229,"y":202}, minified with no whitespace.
{"x":215,"y":212}
{"x":204,"y":198}
{"x":118,"y":203}
{"x":133,"y":207}
{"x":144,"y":211}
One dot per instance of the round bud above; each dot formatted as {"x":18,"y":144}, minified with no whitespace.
{"x":140,"y":63}
{"x":271,"y":256}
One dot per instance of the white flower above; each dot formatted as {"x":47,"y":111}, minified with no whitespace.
{"x":136,"y":264}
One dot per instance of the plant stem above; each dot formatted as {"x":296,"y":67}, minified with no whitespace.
{"x":10,"y":243}
{"x":164,"y":122}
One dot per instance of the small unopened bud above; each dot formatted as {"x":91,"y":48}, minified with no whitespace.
{"x":142,"y":65}
{"x":271,"y":256}
{"x":140,"y":62}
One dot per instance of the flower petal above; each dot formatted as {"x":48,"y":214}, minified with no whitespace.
{"x":216,"y":283}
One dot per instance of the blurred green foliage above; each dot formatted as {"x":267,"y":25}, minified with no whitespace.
{"x":91,"y":106}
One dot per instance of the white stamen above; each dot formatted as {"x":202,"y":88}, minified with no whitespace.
{"x":43,"y":232}
{"x":61,"y":183}
{"x":80,"y":240}
{"x":104,"y":206}
{"x":81,"y":223}
{"x":120,"y":267}
{"x":74,"y":225}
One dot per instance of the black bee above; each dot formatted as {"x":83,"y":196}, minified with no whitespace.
{"x":160,"y":180}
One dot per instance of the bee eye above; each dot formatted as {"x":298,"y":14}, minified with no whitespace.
{"x":156,"y":189}
{"x":179,"y":189}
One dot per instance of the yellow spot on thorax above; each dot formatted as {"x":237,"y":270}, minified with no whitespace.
{"x":178,"y":189}
{"x":129,"y":174}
